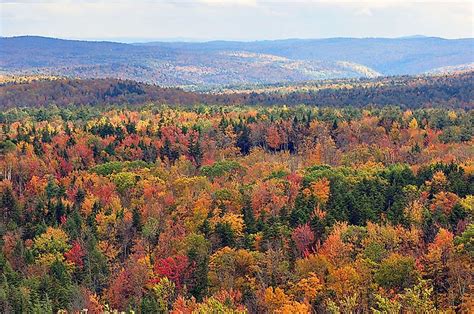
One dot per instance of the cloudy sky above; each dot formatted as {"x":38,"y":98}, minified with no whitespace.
{"x":129,"y":20}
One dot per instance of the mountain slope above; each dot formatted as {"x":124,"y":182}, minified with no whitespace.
{"x":233,"y":63}
{"x":409,"y":55}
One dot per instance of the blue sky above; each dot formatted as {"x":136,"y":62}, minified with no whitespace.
{"x":235,"y":19}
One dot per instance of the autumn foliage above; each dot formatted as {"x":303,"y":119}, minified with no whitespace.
{"x":214,"y":209}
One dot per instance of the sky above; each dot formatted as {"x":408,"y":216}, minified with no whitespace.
{"x":199,"y":20}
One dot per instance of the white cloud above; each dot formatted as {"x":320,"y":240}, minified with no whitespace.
{"x":229,"y":2}
{"x":235,"y":19}
{"x":364,"y":11}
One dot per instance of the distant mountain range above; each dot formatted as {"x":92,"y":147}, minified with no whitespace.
{"x":235,"y":63}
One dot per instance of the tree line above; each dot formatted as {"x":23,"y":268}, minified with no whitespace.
{"x":451,"y":91}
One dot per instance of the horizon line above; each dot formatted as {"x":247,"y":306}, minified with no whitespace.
{"x":144,"y":40}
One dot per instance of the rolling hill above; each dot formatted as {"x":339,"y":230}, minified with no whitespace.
{"x":220,"y":63}
{"x":452,"y":91}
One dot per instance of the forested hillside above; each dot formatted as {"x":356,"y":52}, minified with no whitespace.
{"x":388,"y":56}
{"x":313,"y":157}
{"x":220,"y":209}
{"x":220,"y":63}
{"x":454,"y":91}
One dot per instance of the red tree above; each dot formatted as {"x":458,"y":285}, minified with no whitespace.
{"x":75,"y":254}
{"x":303,"y":237}
{"x":175,"y":268}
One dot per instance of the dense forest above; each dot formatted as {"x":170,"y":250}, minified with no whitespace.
{"x":236,"y":209}
{"x":453,"y":91}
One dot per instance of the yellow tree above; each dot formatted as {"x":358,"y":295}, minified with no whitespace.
{"x":51,"y":246}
